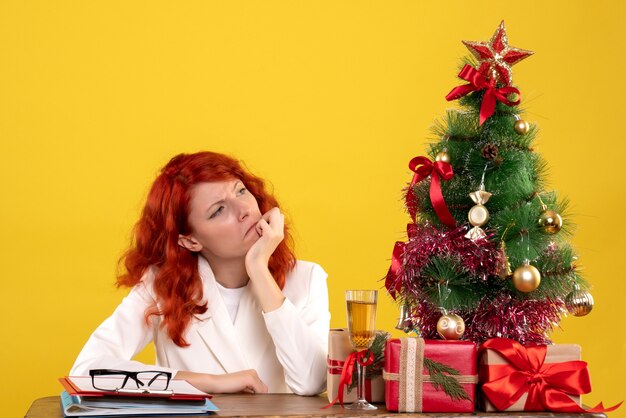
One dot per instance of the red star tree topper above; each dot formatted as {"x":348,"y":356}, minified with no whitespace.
{"x":496,"y":56}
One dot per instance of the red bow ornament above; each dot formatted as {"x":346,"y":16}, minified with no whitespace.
{"x":393,"y":281}
{"x":477,"y":82}
{"x":547,"y":384}
{"x":423,"y":167}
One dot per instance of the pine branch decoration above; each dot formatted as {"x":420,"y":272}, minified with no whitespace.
{"x":447,"y":382}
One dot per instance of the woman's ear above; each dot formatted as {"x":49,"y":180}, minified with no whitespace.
{"x":189,"y":243}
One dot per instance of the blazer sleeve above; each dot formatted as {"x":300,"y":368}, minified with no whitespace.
{"x":300,"y":335}
{"x":120,"y":337}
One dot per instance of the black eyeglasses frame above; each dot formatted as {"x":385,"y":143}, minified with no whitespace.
{"x":134,"y":376}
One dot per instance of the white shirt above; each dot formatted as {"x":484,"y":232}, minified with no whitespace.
{"x":287,"y":347}
{"x":231,"y":298}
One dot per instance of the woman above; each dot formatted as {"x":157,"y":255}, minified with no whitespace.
{"x":216,"y":286}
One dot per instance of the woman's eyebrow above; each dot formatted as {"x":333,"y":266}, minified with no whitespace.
{"x":222,"y":200}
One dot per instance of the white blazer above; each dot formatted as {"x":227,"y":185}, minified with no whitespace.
{"x":287,"y":347}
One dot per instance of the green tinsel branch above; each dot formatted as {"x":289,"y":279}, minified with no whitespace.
{"x":448,"y":285}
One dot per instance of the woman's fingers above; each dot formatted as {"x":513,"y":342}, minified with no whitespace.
{"x":272,"y":221}
{"x":271,"y":230}
{"x":260,"y":226}
{"x":258,"y":386}
{"x":270,"y":214}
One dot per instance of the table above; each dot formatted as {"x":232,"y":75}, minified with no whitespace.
{"x":289,"y":405}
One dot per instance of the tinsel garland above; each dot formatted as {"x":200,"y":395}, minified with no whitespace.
{"x":498,"y":314}
{"x":526,"y":321}
{"x":479,"y":257}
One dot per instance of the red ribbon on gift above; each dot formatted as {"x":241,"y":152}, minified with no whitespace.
{"x":547,"y":385}
{"x":423,"y":167}
{"x":477,"y":82}
{"x":336,"y":367}
{"x":365,"y":358}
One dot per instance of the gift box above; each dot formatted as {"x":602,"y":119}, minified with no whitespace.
{"x":429,"y":375}
{"x":339,"y":348}
{"x":537,"y":378}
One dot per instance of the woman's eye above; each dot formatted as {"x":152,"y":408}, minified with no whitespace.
{"x":217,"y":212}
{"x":242,"y":190}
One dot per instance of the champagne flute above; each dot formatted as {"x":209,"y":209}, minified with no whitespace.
{"x":361,"y":305}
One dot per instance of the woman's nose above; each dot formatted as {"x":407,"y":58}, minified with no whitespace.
{"x":243,"y":210}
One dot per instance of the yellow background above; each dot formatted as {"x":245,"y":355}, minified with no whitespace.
{"x":327,"y":99}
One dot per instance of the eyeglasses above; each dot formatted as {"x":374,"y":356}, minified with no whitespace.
{"x":145,"y":381}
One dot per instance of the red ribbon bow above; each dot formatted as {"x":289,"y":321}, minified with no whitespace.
{"x":392,"y":281}
{"x":423,"y":167}
{"x":478,"y":82}
{"x":365,"y":358}
{"x":547,"y":385}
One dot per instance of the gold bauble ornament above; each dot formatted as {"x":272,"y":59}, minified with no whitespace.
{"x":521,"y":127}
{"x":526,"y":278}
{"x":450,"y":327}
{"x":579,"y":302}
{"x":550,"y":222}
{"x":443,"y":156}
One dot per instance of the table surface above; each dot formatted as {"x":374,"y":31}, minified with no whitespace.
{"x":289,"y":405}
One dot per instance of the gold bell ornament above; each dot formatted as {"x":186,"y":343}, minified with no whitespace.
{"x":404,"y":322}
{"x":579,"y":302}
{"x":526,"y":277}
{"x":521,"y":127}
{"x":450,"y":327}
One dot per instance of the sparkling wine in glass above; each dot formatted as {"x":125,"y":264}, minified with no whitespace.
{"x":361,"y":306}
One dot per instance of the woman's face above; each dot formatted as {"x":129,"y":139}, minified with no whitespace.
{"x":222,"y":217}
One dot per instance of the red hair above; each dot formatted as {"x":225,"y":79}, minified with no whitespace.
{"x":177,"y":283}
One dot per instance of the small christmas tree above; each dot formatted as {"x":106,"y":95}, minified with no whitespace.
{"x":487,"y":253}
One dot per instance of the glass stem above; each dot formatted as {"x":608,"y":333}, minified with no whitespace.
{"x":360,"y":382}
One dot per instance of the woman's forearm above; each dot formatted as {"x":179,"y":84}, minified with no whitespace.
{"x":264,"y":287}
{"x":242,"y":381}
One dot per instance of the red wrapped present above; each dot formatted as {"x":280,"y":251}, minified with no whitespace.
{"x":534,"y":378}
{"x":429,"y":375}
{"x":339,"y":348}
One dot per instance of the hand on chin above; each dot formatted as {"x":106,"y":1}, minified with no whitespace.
{"x":270,"y":231}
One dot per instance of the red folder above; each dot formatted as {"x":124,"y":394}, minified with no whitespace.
{"x":185,"y":395}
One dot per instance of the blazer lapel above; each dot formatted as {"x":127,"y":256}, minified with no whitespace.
{"x":215,"y":326}
{"x":251,"y":329}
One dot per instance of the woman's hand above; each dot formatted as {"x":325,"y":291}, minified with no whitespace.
{"x":271,"y":229}
{"x":243,"y":381}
